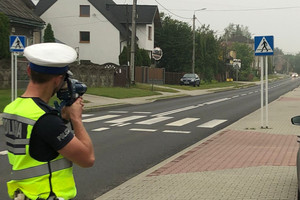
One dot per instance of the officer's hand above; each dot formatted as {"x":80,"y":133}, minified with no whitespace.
{"x":75,"y":110}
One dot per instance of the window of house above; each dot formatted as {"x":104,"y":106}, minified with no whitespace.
{"x":84,"y":10}
{"x":84,"y":37}
{"x":149,"y":32}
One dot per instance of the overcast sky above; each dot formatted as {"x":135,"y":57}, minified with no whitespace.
{"x":280,"y":18}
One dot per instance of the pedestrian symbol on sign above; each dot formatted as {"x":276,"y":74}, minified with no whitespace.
{"x":17,"y":43}
{"x":264,"y":45}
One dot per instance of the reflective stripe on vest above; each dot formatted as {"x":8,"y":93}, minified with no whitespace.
{"x":41,"y":169}
{"x":19,"y":118}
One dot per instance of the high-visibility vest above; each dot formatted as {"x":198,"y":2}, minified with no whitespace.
{"x":29,"y":175}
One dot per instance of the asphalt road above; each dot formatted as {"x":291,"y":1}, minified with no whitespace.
{"x":129,"y":140}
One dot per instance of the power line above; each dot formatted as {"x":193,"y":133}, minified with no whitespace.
{"x":239,"y":10}
{"x":171,"y":12}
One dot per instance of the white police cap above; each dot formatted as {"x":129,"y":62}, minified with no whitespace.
{"x":50,"y":58}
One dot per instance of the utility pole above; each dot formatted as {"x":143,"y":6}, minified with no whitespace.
{"x":194,"y":42}
{"x":193,"y":58}
{"x":133,"y":35}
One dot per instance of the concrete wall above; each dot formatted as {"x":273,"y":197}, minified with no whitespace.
{"x":92,"y":75}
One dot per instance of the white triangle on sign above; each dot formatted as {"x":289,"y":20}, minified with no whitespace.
{"x":17,"y":44}
{"x":264,"y":47}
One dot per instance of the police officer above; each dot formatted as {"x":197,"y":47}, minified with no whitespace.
{"x":41,"y":147}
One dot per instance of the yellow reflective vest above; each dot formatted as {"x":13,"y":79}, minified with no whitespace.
{"x":29,"y":175}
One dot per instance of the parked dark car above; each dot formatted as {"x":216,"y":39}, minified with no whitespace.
{"x":190,"y":79}
{"x":296,"y":121}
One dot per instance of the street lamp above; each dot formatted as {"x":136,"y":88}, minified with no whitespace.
{"x":193,"y":58}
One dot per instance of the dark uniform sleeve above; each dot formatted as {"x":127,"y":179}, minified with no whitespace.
{"x":49,"y":135}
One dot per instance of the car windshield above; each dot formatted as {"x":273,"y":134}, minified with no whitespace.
{"x":189,"y":76}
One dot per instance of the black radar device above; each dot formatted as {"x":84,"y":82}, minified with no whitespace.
{"x":70,"y":93}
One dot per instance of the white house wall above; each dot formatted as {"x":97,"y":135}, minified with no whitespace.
{"x":104,"y":43}
{"x":142,"y":34}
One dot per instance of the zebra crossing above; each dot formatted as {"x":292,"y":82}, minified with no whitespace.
{"x":115,"y":119}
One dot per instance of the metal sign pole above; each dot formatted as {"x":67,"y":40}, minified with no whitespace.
{"x":16,"y":75}
{"x":267,"y":116}
{"x":261,"y":92}
{"x":12,"y":76}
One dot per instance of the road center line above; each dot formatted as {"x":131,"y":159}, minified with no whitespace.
{"x":190,"y":107}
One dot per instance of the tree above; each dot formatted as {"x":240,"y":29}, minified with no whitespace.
{"x":48,"y":34}
{"x":4,"y":36}
{"x":207,"y":54}
{"x":234,"y":31}
{"x":246,"y":54}
{"x":141,"y":57}
{"x":175,"y":39}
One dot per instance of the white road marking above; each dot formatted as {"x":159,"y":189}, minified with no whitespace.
{"x":175,"y":111}
{"x":182,"y":122}
{"x":125,"y":119}
{"x":143,"y":130}
{"x":154,"y":120}
{"x":87,"y":115}
{"x":100,"y":129}
{"x":212,"y":123}
{"x":119,"y":112}
{"x":243,"y":94}
{"x":173,"y":131}
{"x":145,"y":113}
{"x":236,"y":96}
{"x":121,"y":124}
{"x":3,"y":153}
{"x":100,"y":118}
{"x":189,"y":107}
{"x":216,"y":101}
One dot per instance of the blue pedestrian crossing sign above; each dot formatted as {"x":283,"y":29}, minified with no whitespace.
{"x":17,"y":43}
{"x":263,"y":45}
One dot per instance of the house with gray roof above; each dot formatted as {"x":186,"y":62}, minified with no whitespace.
{"x":23,"y":20}
{"x":99,"y":29}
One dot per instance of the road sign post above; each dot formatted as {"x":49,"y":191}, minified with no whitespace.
{"x":156,"y":55}
{"x":264,"y":47}
{"x":17,"y":43}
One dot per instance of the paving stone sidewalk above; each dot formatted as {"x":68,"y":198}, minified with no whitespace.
{"x":242,"y":161}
